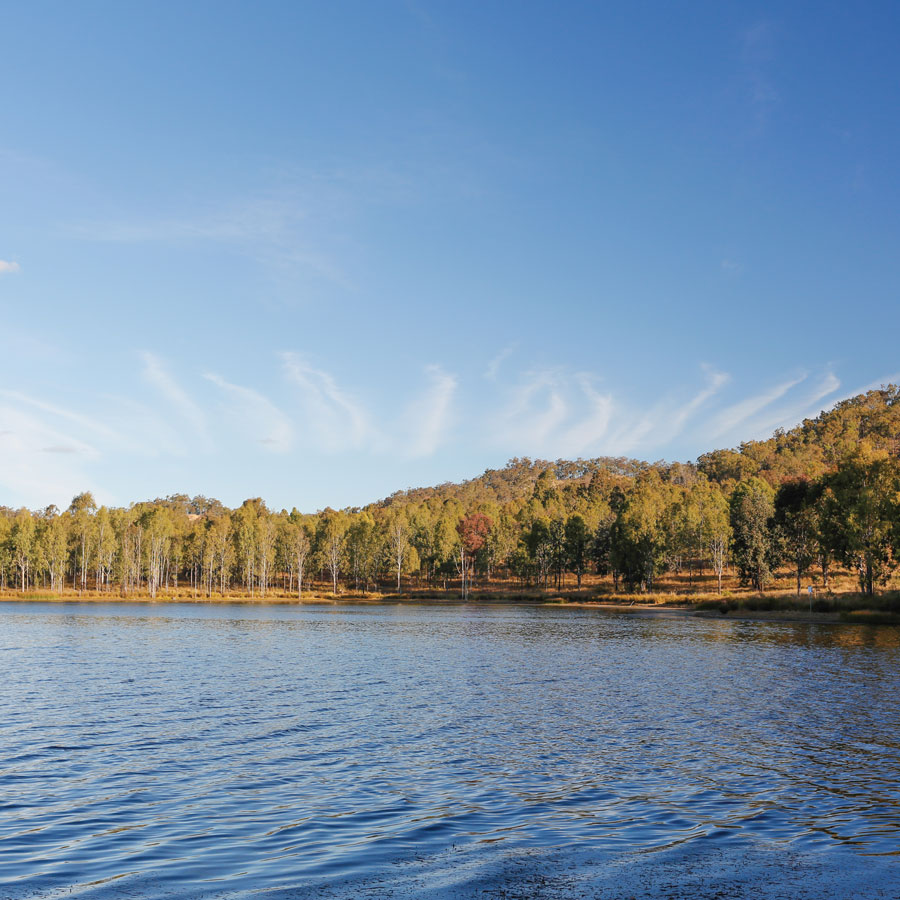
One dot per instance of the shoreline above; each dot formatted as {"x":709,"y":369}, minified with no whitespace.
{"x":639,"y":610}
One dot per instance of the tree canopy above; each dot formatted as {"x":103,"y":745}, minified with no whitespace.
{"x":824,"y":493}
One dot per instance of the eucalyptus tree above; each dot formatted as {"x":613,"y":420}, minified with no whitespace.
{"x":797,"y":522}
{"x":219,"y":552}
{"x":5,"y":547}
{"x":503,"y":539}
{"x":398,"y":543}
{"x":193,"y":542}
{"x":364,"y":547}
{"x":300,"y":547}
{"x":577,"y":543}
{"x":81,"y":509}
{"x":266,"y":531}
{"x":331,"y":539}
{"x":22,"y":542}
{"x":639,"y":542}
{"x":558,"y":556}
{"x":687,"y":529}
{"x":538,"y":543}
{"x":862,"y":501}
{"x":246,"y":529}
{"x":447,"y":538}
{"x":158,"y":527}
{"x":715,"y":529}
{"x":56,"y":538}
{"x":422,"y":521}
{"x":752,"y":508}
{"x":105,"y":548}
{"x":130,"y":534}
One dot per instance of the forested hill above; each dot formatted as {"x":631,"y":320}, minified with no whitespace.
{"x":517,"y":480}
{"x":824,"y":496}
{"x":817,"y":445}
{"x":806,"y":451}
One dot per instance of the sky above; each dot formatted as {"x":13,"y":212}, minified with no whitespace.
{"x":320,"y":252}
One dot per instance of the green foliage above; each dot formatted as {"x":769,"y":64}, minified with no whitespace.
{"x":797,"y":523}
{"x":756,"y":553}
{"x":641,"y":538}
{"x":861,"y":503}
{"x":826,"y":490}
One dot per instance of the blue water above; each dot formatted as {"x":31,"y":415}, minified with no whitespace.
{"x":443,"y":751}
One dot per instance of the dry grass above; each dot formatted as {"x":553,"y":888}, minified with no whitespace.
{"x":672,"y":590}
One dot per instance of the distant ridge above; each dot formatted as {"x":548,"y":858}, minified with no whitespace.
{"x":808,"y":450}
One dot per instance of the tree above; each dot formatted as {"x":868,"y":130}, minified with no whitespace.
{"x":797,"y":522}
{"x":364,"y":547}
{"x":577,"y":542}
{"x":752,"y":508}
{"x":219,"y":552}
{"x":266,"y":531}
{"x":502,"y":540}
{"x":157,"y":524}
{"x":639,"y":540}
{"x":558,"y":548}
{"x":715,"y":529}
{"x":55,"y":551}
{"x":473,"y":531}
{"x":539,"y":545}
{"x":398,"y":542}
{"x":298,"y":547}
{"x":81,"y":509}
{"x":861,"y":499}
{"x":22,"y":539}
{"x":105,"y":543}
{"x":255,"y":531}
{"x":331,"y":540}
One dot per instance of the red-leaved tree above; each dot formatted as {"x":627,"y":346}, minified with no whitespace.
{"x":473,"y":530}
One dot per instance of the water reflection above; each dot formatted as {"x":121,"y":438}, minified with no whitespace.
{"x":264,"y":747}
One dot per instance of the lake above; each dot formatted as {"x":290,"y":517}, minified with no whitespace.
{"x":443,"y":751}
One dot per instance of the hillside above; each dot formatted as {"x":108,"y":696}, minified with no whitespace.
{"x":814,"y":504}
{"x":808,"y":450}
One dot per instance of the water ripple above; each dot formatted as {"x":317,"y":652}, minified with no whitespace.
{"x":429,"y":751}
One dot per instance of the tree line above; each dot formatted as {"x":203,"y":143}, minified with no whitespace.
{"x":824,"y":495}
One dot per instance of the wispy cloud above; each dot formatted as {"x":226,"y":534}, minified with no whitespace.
{"x":90,"y":424}
{"x":138,"y":430}
{"x":301,"y":222}
{"x":715,"y":382}
{"x":332,"y":416}
{"x":587,"y":431}
{"x":429,"y":417}
{"x":877,"y":385}
{"x":39,"y":463}
{"x":552,"y":412}
{"x":280,"y":228}
{"x":730,"y":418}
{"x":555,"y":413}
{"x":796,"y":410}
{"x":8,"y":267}
{"x":255,"y":416}
{"x":493,"y":367}
{"x":536,"y":408}
{"x":156,"y":374}
{"x":665,"y":420}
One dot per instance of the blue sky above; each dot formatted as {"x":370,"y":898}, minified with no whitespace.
{"x":320,"y":252}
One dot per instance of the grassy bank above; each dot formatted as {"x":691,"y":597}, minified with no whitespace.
{"x":851,"y":607}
